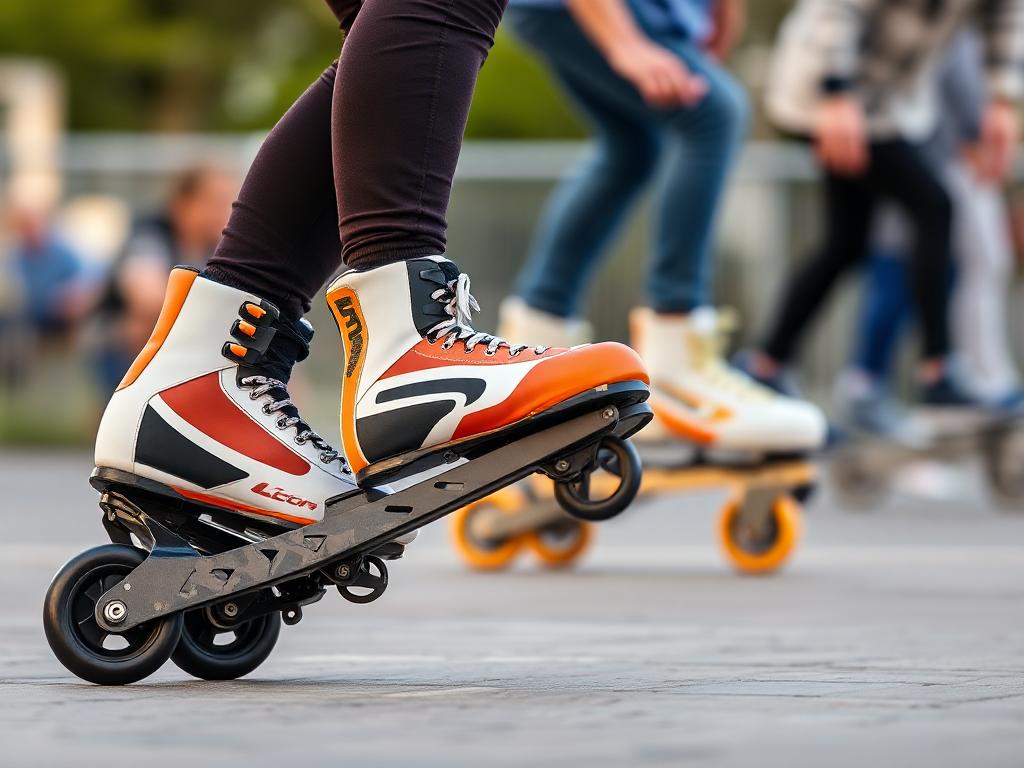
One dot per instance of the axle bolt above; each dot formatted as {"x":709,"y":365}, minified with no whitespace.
{"x":230,"y":610}
{"x":115,"y":611}
{"x":343,"y":571}
{"x":608,"y":413}
{"x":562,"y":465}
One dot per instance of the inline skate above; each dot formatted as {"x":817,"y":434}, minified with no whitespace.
{"x":228,"y":514}
{"x":713,"y":428}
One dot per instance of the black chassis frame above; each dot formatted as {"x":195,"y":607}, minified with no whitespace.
{"x":176,"y":577}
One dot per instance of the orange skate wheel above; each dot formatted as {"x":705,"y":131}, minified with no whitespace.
{"x":761,"y":549}
{"x":480,"y":553}
{"x":562,"y":543}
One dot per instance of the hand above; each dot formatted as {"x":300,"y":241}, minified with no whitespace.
{"x":661,"y":77}
{"x":729,"y":18}
{"x":841,"y":136}
{"x":992,"y":158}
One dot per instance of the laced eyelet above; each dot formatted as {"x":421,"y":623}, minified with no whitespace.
{"x":301,"y":440}
{"x":468,"y":350}
{"x":266,"y":408}
{"x":281,"y":424}
{"x":516,"y":353}
{"x":253,"y":395}
{"x":490,"y":353}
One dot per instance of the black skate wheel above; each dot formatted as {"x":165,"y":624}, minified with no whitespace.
{"x":617,"y":466}
{"x":210,"y":652}
{"x":69,"y":621}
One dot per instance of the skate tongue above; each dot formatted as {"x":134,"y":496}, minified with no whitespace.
{"x":428,"y":276}
{"x":450,"y":270}
{"x":289,"y":346}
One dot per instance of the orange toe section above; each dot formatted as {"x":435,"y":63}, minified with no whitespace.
{"x":556,"y":379}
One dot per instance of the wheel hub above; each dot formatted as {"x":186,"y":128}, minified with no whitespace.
{"x":115,"y":611}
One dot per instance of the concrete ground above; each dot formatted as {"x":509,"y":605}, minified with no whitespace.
{"x":895,"y":638}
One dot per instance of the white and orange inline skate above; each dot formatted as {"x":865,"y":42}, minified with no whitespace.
{"x":713,"y":427}
{"x":227,"y":512}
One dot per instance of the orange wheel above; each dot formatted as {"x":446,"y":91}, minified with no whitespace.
{"x":561,"y":543}
{"x":760,"y":549}
{"x":480,"y":553}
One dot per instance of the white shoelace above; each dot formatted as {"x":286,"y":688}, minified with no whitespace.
{"x":265,"y":386}
{"x":458,"y":326}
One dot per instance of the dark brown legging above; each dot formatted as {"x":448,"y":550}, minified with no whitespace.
{"x":366,"y":156}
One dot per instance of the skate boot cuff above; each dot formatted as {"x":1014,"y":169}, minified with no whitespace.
{"x":265,"y":344}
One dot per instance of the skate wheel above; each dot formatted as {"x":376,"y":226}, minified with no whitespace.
{"x":210,"y":652}
{"x":857,"y":483}
{"x":616,"y":465}
{"x":561,"y":543}
{"x":75,"y":636}
{"x":764,"y":548}
{"x":1005,"y":468}
{"x":478,"y":551}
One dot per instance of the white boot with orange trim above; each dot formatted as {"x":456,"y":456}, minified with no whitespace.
{"x":204,"y":412}
{"x":418,"y":378}
{"x":698,"y":397}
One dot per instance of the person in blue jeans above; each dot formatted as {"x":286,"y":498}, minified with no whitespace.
{"x":648,"y":77}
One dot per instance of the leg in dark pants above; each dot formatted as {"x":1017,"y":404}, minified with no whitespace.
{"x":388,"y":127}
{"x":898,"y":171}
{"x":849,"y":207}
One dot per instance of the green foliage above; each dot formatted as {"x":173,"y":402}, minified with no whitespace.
{"x":516,"y":98}
{"x":171,"y":64}
{"x":230,"y":65}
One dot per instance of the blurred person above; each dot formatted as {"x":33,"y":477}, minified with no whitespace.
{"x":984,"y":262}
{"x":55,"y":285}
{"x":185,"y":232}
{"x":856,"y":79}
{"x":46,"y":286}
{"x":648,"y":77}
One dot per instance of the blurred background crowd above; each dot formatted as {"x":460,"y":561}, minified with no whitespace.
{"x":126,"y":125}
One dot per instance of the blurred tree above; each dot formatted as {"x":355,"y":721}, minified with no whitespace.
{"x":172,"y":64}
{"x":227,"y":65}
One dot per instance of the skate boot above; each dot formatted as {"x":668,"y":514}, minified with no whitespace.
{"x":697,"y":396}
{"x":204,"y":413}
{"x":518,"y":320}
{"x":419,"y":380}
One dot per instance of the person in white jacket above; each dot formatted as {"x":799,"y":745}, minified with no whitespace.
{"x":856,"y":79}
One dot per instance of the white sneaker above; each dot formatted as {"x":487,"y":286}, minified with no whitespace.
{"x":699,"y":397}
{"x":518,"y":320}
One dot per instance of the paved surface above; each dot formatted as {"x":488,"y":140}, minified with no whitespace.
{"x":895,"y":638}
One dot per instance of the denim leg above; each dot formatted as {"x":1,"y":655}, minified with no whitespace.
{"x":703,"y":143}
{"x":884,"y":312}
{"x":587,"y":208}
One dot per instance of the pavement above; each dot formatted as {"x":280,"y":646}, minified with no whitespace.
{"x":895,"y":637}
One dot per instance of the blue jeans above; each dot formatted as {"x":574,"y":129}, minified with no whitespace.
{"x":886,"y":309}
{"x":693,"y":147}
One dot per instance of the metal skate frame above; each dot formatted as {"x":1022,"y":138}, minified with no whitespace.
{"x":176,"y":578}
